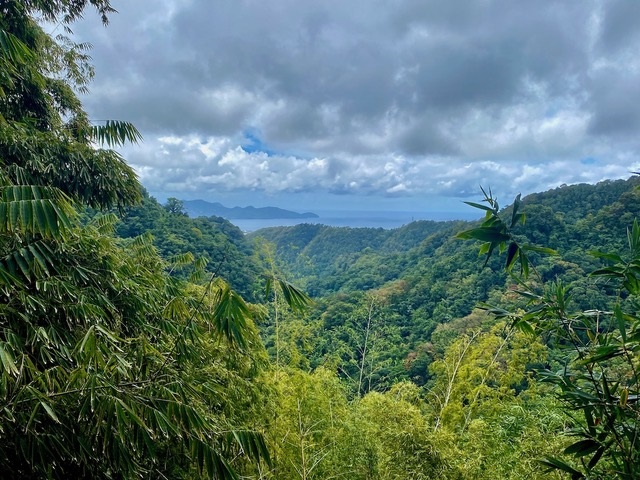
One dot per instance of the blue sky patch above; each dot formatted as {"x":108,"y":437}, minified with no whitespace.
{"x":253,"y":143}
{"x":590,"y":161}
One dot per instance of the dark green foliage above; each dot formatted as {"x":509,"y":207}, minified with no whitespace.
{"x":577,"y":202}
{"x":214,"y":239}
{"x":330,"y":259}
{"x":45,"y":136}
{"x":109,"y":366}
{"x":440,"y":277}
{"x":96,"y":354}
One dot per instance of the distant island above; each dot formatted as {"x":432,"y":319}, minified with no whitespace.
{"x":202,"y":208}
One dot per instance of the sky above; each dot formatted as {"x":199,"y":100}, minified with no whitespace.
{"x":351,"y":104}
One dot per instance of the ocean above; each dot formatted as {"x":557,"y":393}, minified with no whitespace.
{"x":356,"y":219}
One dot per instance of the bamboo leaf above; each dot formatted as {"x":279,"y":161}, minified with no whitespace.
{"x":484,"y":234}
{"x":49,"y":411}
{"x":296,"y":299}
{"x":524,"y":327}
{"x":481,"y":207}
{"x":511,"y":255}
{"x":230,"y":315}
{"x":545,"y":250}
{"x":7,"y":360}
{"x":622,"y":326}
{"x":115,"y":133}
{"x":556,"y":464}
{"x":582,"y":448}
{"x":514,"y":214}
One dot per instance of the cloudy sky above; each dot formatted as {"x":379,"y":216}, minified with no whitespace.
{"x":381,"y":104}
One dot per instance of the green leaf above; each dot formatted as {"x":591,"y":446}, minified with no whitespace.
{"x":115,"y":133}
{"x":515,"y":217}
{"x":622,"y":325}
{"x":582,"y":448}
{"x":50,"y":411}
{"x":611,"y":257}
{"x":484,"y":234}
{"x":524,"y":264}
{"x":15,"y":51}
{"x":556,"y":464}
{"x":252,"y":443}
{"x":604,"y":352}
{"x":524,"y":327}
{"x":481,"y":207}
{"x":545,"y":250}
{"x":511,"y":255}
{"x":596,"y":458}
{"x":268,"y":287}
{"x":296,"y":299}
{"x":230,"y":315}
{"x":7,"y":360}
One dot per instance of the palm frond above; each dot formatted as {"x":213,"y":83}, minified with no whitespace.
{"x":115,"y":133}
{"x":32,"y":209}
{"x":106,"y":223}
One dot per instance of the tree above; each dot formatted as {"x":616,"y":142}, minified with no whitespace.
{"x":490,"y":419}
{"x":174,"y":206}
{"x":98,"y":344}
{"x":307,"y":428}
{"x":45,"y":136}
{"x":397,"y":440}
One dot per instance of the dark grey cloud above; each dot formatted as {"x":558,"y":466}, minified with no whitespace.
{"x":616,"y":104}
{"x":385,"y":97}
{"x":619,"y":25}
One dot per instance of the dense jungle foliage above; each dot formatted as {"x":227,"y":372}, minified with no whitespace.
{"x":418,"y":285}
{"x":136,"y":342}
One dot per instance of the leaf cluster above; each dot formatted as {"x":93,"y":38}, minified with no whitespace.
{"x":599,"y":382}
{"x":101,"y":348}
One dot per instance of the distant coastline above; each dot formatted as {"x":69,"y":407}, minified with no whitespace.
{"x":357,"y":219}
{"x":202,"y":208}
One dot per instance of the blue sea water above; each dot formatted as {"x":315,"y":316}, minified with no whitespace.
{"x":356,"y":219}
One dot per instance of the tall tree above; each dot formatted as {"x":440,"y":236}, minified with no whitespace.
{"x":174,"y":206}
{"x":98,"y":345}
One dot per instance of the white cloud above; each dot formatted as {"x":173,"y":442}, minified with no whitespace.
{"x":405,"y":98}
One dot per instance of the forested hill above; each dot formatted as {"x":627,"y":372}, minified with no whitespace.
{"x":219,"y":242}
{"x":422,"y":280}
{"x":330,"y":259}
{"x":202,"y":208}
{"x":322,"y":257}
{"x":427,"y":277}
{"x":576,"y":202}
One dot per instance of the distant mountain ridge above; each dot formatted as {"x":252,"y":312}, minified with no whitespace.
{"x":202,"y":208}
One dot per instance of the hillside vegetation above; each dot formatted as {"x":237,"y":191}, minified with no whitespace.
{"x":420,"y":278}
{"x":136,"y":342}
{"x":394,"y":325}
